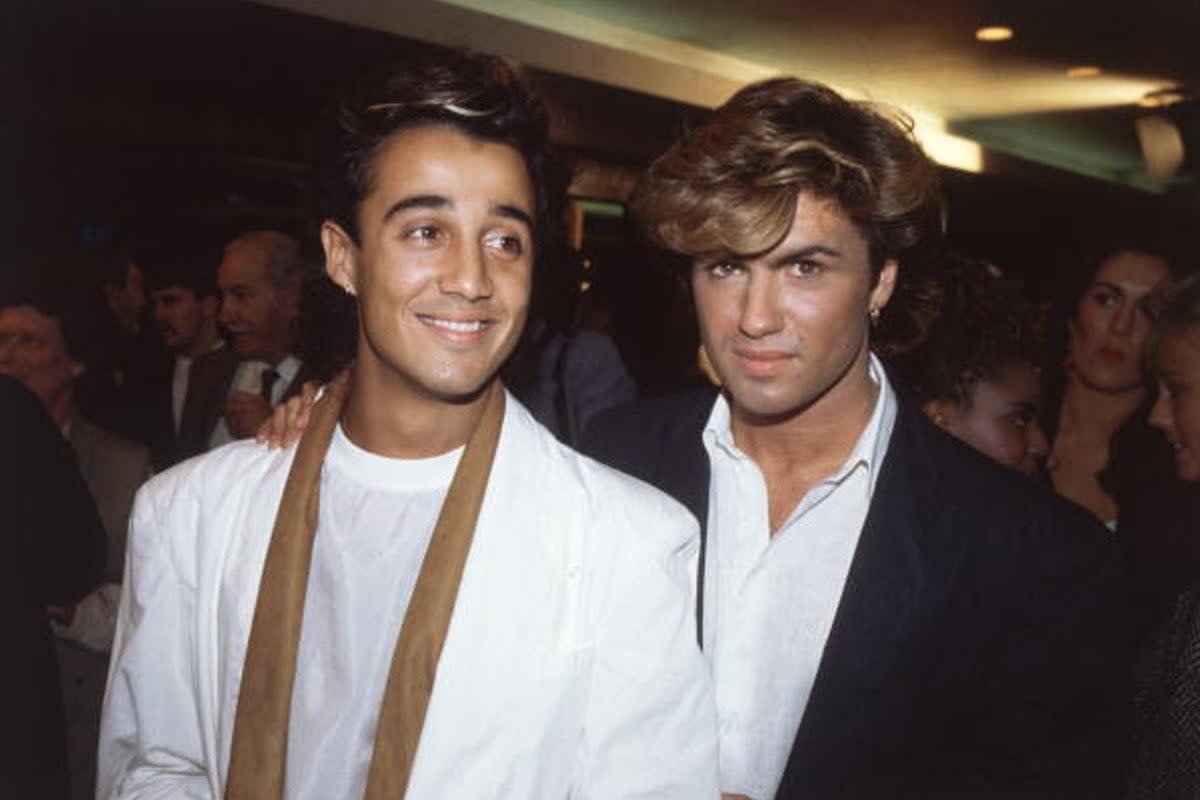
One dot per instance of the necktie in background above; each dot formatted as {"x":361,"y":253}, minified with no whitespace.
{"x":269,"y":377}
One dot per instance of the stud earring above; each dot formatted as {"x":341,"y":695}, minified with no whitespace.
{"x":874,"y":315}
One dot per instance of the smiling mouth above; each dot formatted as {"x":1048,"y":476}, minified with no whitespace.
{"x":455,"y":326}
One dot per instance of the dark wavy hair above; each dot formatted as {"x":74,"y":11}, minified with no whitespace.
{"x":978,"y":324}
{"x":477,"y":95}
{"x":730,"y":185}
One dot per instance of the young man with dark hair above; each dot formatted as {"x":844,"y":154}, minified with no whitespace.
{"x":189,"y":398}
{"x":429,"y":596}
{"x":887,"y":613}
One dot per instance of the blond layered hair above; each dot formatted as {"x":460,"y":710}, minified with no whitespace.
{"x":730,"y":186}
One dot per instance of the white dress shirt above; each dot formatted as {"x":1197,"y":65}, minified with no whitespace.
{"x":179,"y":383}
{"x":248,"y":377}
{"x":770,"y":601}
{"x":570,"y":667}
{"x":179,"y":387}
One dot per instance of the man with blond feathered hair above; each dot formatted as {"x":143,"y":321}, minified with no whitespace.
{"x":887,"y":613}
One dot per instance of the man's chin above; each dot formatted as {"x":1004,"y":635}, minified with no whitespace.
{"x":755,"y":407}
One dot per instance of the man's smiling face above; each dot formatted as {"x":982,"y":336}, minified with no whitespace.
{"x":443,"y":264}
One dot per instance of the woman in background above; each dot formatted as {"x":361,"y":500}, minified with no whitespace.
{"x":1166,"y":762}
{"x":975,"y":372}
{"x":1103,"y":389}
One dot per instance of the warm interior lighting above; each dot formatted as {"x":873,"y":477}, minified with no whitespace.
{"x":1083,"y":72}
{"x":1161,"y":98}
{"x":994,"y":33}
{"x":1162,"y":146}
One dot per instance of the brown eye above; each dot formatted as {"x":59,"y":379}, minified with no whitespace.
{"x":423,"y":233}
{"x":507,"y":243}
{"x":806,"y":269}
{"x":721,"y":269}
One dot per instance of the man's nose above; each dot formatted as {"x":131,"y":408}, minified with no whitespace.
{"x":467,"y":274}
{"x":1125,"y":320}
{"x":760,"y":308}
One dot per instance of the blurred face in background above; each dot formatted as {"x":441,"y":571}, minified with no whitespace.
{"x":34,"y":351}
{"x":259,"y":316}
{"x":128,"y":300}
{"x":1001,"y":418}
{"x":1109,"y":326}
{"x":1177,"y":410}
{"x":183,"y":317}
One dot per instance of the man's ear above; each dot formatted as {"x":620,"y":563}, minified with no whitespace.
{"x":341,"y":256}
{"x":885,"y":285}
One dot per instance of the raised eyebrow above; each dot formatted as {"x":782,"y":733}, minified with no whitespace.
{"x":515,"y":213}
{"x":428,"y":201}
{"x":806,"y":252}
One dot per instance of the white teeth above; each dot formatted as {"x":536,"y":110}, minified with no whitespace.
{"x":460,"y":327}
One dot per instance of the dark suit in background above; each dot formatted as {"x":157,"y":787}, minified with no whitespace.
{"x":978,"y":648}
{"x":54,"y":556}
{"x":209,"y":379}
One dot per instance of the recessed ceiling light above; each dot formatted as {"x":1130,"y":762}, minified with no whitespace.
{"x":1088,"y":71}
{"x":994,"y":33}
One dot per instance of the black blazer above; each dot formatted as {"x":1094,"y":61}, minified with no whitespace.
{"x":978,"y":649}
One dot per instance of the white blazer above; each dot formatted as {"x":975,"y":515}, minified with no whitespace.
{"x":570,"y":669}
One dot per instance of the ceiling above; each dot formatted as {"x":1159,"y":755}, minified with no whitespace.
{"x":124,"y":111}
{"x":972,"y":101}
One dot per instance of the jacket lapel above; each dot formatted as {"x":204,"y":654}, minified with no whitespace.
{"x":878,"y":604}
{"x":683,"y":471}
{"x":208,"y":386}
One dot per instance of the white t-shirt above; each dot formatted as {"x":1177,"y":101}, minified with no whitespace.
{"x":377,"y":516}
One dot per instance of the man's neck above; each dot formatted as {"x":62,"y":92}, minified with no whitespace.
{"x":813,"y":442}
{"x":1086,"y":408}
{"x":385,"y":415}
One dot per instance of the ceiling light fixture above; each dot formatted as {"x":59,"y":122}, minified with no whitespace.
{"x":1088,"y":71}
{"x":1161,"y":98}
{"x":994,"y":33}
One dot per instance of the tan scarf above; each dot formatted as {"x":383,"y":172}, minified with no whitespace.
{"x":258,"y":757}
